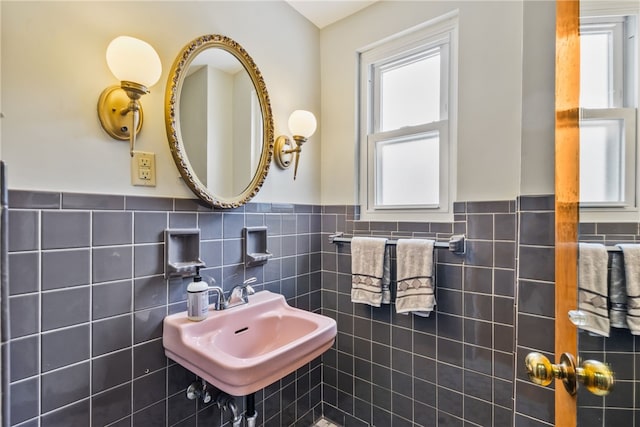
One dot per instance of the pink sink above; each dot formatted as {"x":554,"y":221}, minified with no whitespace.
{"x":244,"y":349}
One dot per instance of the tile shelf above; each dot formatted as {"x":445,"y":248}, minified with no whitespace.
{"x":182,"y":252}
{"x":255,"y":246}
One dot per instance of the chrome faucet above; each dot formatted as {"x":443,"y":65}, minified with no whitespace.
{"x":240,"y":293}
{"x":220,"y":303}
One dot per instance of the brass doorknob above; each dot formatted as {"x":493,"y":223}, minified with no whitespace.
{"x":542,"y":372}
{"x":594,"y":375}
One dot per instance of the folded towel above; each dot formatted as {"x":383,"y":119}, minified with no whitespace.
{"x":370,"y":271}
{"x":631,"y":254}
{"x":617,"y":292}
{"x":415,"y":276}
{"x":593,"y":297}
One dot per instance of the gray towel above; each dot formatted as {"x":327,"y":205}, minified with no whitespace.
{"x":370,"y":271}
{"x":415,"y":277}
{"x":617,"y":292}
{"x":593,"y":297}
{"x":631,"y":254}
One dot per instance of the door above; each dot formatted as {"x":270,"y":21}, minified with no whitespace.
{"x":567,"y":193}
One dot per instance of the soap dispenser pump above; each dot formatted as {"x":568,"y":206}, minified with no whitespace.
{"x":197,"y":298}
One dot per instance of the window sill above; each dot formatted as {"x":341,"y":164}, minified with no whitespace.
{"x":407,"y":216}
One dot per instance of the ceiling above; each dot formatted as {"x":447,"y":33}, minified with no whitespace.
{"x":326,"y":12}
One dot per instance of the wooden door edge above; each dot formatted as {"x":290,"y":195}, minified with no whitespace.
{"x":567,"y":193}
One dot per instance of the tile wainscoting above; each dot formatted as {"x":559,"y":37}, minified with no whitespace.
{"x":456,"y":367}
{"x":88,"y":297}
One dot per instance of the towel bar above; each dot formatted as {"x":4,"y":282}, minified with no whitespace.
{"x":613,"y":249}
{"x":456,"y":243}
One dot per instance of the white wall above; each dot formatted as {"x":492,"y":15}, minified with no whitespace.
{"x":490,"y":89}
{"x":54,"y":68}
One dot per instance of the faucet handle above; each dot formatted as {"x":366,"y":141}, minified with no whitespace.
{"x":240,"y":293}
{"x":248,"y":289}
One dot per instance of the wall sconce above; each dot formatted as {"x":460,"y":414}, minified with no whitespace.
{"x":137,"y":65}
{"x":302,"y":124}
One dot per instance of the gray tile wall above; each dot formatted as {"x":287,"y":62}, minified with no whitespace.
{"x":88,"y":296}
{"x":535,"y":306}
{"x":454,"y":368}
{"x":620,"y":407}
{"x":87,"y":305}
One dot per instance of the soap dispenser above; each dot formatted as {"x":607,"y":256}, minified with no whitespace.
{"x":197,"y":298}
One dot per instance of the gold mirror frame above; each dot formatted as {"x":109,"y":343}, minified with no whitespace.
{"x":172,"y":119}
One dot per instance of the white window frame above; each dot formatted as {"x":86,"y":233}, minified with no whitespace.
{"x":439,"y":33}
{"x":611,"y":17}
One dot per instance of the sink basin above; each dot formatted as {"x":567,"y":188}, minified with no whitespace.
{"x":244,"y":349}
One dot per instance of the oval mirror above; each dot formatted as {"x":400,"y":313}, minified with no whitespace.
{"x":219,"y":122}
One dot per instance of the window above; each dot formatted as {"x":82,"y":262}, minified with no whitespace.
{"x":405,"y":121}
{"x":608,"y":100}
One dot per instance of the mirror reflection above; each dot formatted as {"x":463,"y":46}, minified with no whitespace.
{"x":219,"y":122}
{"x":608,"y":101}
{"x":609,"y":203}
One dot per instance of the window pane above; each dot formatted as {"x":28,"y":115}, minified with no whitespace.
{"x":601,"y":161}
{"x":595,"y":70}
{"x":407,"y":171}
{"x":410,"y":92}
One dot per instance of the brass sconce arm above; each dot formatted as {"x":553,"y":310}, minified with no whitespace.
{"x":134,"y":91}
{"x":114,"y":104}
{"x":284,"y":146}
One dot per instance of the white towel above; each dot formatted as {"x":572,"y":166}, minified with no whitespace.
{"x":415,"y":277}
{"x":631,"y":255}
{"x":370,"y":271}
{"x":593,"y":297}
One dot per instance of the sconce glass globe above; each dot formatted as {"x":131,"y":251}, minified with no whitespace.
{"x":302,"y":123}
{"x":134,"y":60}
